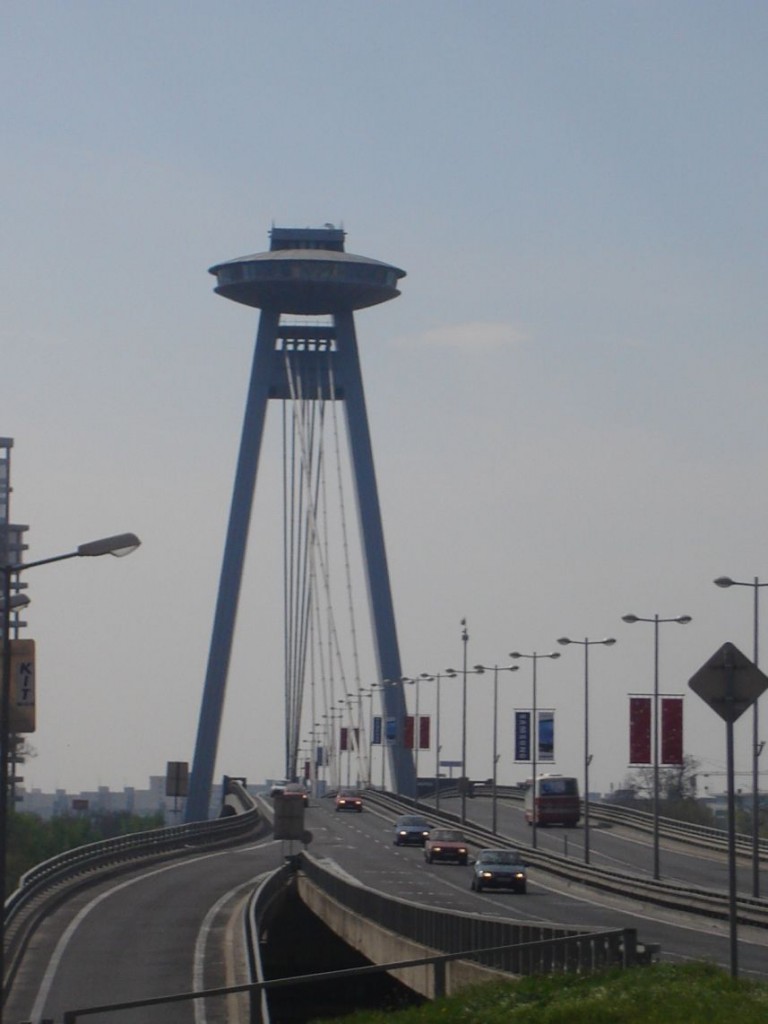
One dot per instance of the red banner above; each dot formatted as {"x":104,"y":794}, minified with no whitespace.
{"x":671,"y":730}
{"x":424,"y":722}
{"x":639,"y":730}
{"x":408,"y":737}
{"x":349,"y":739}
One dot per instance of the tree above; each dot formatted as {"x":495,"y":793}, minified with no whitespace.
{"x":677,"y":791}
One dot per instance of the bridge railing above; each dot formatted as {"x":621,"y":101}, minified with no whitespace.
{"x":46,"y":883}
{"x":530,"y":948}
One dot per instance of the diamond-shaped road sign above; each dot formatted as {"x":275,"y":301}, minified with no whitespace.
{"x":729,"y":682}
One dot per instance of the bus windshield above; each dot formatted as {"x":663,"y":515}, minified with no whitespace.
{"x":558,"y":787}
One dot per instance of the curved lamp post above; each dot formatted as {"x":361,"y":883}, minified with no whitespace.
{"x":121,"y":544}
{"x":757,"y":747}
{"x":428,"y":677}
{"x":534,"y":730}
{"x":682,"y":620}
{"x":452,"y":673}
{"x":607,"y":642}
{"x":495,"y":669}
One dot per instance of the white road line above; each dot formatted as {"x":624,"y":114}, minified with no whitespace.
{"x":61,"y":946}
{"x":198,"y":970}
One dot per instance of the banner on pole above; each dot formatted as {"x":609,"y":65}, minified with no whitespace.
{"x":546,"y":735}
{"x":424,"y":724}
{"x":376,"y":738}
{"x":671,"y":730}
{"x":640,"y":730}
{"x":344,"y":738}
{"x":390,"y":735}
{"x":408,"y":733}
{"x":522,"y":736}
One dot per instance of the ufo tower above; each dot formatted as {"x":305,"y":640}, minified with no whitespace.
{"x":305,"y":273}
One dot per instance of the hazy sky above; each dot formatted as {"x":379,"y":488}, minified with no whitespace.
{"x":568,"y":401}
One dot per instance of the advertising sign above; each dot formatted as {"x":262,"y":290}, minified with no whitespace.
{"x":176,"y":778}
{"x":22,"y":690}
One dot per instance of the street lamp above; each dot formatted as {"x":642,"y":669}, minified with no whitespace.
{"x":464,"y":776}
{"x":417,"y":727}
{"x":464,"y":672}
{"x":496,"y":670}
{"x":436,"y":678}
{"x":683,"y":620}
{"x":757,"y":747}
{"x":398,"y":725}
{"x":607,"y":642}
{"x":122,"y":544}
{"x":535,"y":738}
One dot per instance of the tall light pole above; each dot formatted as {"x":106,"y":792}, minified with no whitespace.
{"x":384,"y":740}
{"x":368,"y":692}
{"x":608,"y":641}
{"x":465,"y":777}
{"x":416,"y":737}
{"x":122,"y":544}
{"x":496,"y":669}
{"x":535,"y":732}
{"x":757,"y":747}
{"x":464,"y":673}
{"x":683,"y":620}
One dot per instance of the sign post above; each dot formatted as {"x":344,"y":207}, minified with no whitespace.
{"x":730,"y":683}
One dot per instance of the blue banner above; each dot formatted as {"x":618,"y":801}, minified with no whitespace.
{"x":390,"y":735}
{"x":546,"y":735}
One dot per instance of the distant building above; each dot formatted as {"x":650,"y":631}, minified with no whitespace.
{"x":131,"y":800}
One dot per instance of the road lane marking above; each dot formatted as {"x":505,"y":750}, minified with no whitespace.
{"x":66,"y":937}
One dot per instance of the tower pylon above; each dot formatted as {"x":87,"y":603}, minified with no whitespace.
{"x":306,"y":272}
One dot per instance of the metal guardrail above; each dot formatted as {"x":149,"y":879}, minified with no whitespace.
{"x":439,"y":963}
{"x":528,"y":948}
{"x":677,"y":896}
{"x":529,"y":952}
{"x":706,"y":836}
{"x":50,"y":882}
{"x":258,"y":905}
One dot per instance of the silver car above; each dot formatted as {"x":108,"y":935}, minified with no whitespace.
{"x":499,"y":869}
{"x":411,"y":830}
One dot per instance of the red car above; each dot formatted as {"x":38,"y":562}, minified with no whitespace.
{"x":347,"y":801}
{"x":446,"y":844}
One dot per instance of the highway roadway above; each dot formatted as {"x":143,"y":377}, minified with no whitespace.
{"x":176,"y":927}
{"x":365,"y":850}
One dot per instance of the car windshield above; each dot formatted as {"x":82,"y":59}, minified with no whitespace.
{"x":411,"y":819}
{"x":446,"y":835}
{"x":499,"y":857}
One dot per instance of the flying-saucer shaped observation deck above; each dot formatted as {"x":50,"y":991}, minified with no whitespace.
{"x":307,"y":281}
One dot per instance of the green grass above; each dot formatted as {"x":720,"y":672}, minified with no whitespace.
{"x":659,"y":994}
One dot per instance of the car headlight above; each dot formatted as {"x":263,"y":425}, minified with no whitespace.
{"x":519,"y":874}
{"x":463,"y":850}
{"x":486,"y":874}
{"x":403,"y":833}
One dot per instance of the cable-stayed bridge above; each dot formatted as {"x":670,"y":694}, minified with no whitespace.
{"x":307,"y":288}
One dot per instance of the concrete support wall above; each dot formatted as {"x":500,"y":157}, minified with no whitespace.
{"x":381,"y":946}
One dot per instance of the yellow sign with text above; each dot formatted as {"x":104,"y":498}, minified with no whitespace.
{"x":22,"y":691}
